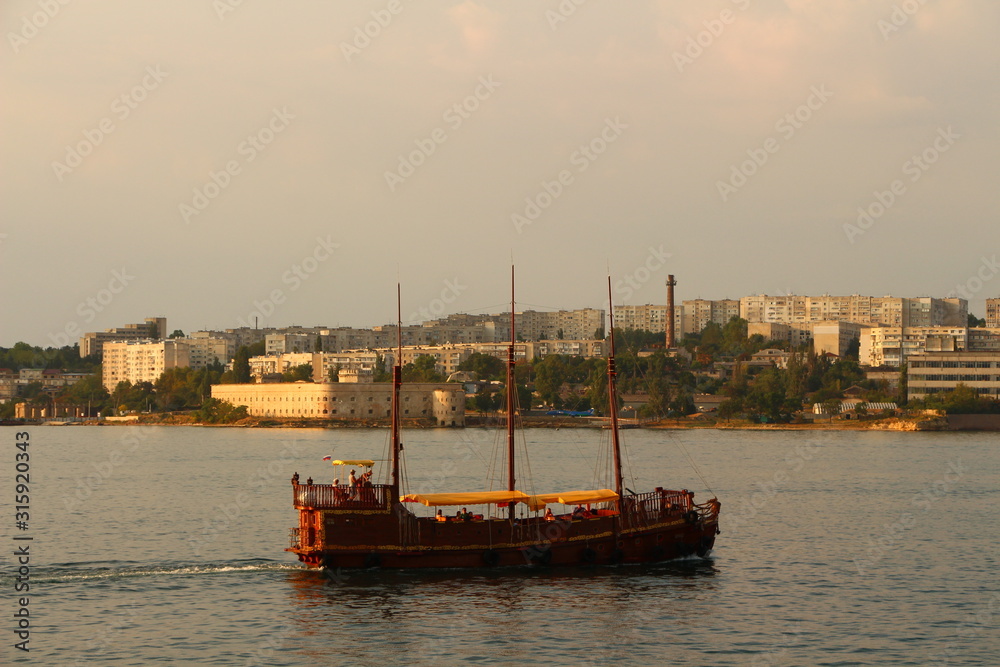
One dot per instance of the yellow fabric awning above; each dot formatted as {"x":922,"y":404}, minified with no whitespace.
{"x":539,"y":501}
{"x":354,"y":462}
{"x":468,"y":498}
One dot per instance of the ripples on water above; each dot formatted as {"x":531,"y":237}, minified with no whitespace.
{"x":837,"y":549}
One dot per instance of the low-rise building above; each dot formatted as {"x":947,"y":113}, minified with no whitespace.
{"x":935,"y":372}
{"x":444,"y":403}
{"x":834,"y":336}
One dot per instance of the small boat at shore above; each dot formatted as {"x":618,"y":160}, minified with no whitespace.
{"x":366,"y":525}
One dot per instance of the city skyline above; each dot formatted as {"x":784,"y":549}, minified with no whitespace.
{"x":778,"y":147}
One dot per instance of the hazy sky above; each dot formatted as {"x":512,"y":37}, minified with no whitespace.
{"x":204,"y":161}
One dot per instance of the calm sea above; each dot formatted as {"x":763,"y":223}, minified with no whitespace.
{"x":159,"y":545}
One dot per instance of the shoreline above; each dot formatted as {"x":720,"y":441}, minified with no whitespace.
{"x":950,"y":423}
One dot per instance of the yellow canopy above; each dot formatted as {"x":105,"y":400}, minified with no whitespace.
{"x":354,"y":462}
{"x":539,"y":501}
{"x":469,"y":498}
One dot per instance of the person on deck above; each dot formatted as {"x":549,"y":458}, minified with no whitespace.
{"x":548,"y":514}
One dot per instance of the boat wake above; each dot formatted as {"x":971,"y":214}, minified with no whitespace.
{"x":114,"y":570}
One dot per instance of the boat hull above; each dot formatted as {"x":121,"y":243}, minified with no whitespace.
{"x":567,"y":542}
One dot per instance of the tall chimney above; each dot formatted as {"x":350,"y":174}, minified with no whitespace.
{"x":671,"y":340}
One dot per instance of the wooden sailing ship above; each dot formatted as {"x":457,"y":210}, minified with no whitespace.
{"x":371,"y":525}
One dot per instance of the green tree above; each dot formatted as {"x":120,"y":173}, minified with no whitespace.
{"x":177,"y":334}
{"x":423,"y":369}
{"x":300,"y":373}
{"x":766,"y":397}
{"x":485,"y":366}
{"x":241,"y":365}
{"x":382,"y":374}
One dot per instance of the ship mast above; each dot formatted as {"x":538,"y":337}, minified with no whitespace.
{"x":511,"y":395}
{"x":613,"y":398}
{"x":397,"y":380}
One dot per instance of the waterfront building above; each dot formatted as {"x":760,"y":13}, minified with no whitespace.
{"x":442,"y":402}
{"x":935,"y":372}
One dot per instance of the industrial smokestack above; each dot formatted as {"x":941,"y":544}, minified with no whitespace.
{"x":671,"y":340}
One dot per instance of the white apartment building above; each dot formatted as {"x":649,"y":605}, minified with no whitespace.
{"x":289,"y":343}
{"x":544,"y":325}
{"x":697,"y":313}
{"x":876,"y":311}
{"x":892,"y":346}
{"x":206,"y":351}
{"x":142,"y":361}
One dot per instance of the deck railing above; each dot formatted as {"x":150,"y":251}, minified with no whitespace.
{"x":328,"y":496}
{"x":641,"y":509}
{"x":294,"y":538}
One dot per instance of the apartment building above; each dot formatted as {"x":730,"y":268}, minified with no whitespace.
{"x":892,"y":346}
{"x":547,"y":325}
{"x":993,"y":313}
{"x":697,"y":313}
{"x":151,"y":328}
{"x":142,"y":361}
{"x":876,"y":311}
{"x":834,"y":337}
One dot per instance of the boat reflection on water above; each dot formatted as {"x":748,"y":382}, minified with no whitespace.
{"x":447,"y":616}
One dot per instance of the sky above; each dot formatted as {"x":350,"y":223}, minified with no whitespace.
{"x":221,"y":163}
